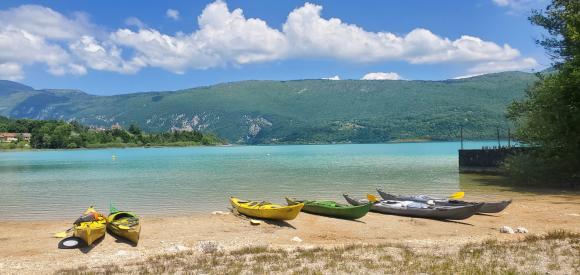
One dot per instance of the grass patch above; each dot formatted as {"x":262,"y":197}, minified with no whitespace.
{"x":556,"y":251}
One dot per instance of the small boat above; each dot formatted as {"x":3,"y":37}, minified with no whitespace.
{"x":332,"y":208}
{"x":266,"y":210}
{"x":487,"y":207}
{"x":90,"y":227}
{"x":418,"y":209}
{"x":124,"y":224}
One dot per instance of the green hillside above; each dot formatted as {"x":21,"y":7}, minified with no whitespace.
{"x":301,"y":111}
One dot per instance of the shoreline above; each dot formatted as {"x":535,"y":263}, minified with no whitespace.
{"x":396,"y":141}
{"x":113,"y":147}
{"x":28,"y":246}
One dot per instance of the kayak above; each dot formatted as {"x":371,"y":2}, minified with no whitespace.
{"x":124,"y":224}
{"x":487,"y":207}
{"x":332,"y":208}
{"x":266,"y":210}
{"x":90,"y":227}
{"x":418,"y":209}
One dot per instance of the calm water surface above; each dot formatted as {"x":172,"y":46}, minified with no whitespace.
{"x":61,"y":184}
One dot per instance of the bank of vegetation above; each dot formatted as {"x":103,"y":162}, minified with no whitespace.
{"x":53,"y":134}
{"x":549,"y":117}
{"x":554,"y":253}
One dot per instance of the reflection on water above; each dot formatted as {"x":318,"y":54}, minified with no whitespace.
{"x":60,"y":184}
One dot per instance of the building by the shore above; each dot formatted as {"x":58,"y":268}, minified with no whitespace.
{"x":15,"y":137}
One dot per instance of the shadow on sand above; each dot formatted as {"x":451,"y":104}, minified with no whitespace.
{"x":121,"y":239}
{"x":334,"y":218}
{"x":81,"y":245}
{"x":270,"y":222}
{"x":500,"y":183}
{"x":87,"y":248}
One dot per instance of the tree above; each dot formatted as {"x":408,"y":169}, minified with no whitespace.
{"x":135,"y":130}
{"x":549,"y":116}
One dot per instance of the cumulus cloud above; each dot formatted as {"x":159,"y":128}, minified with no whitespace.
{"x":45,"y":22}
{"x":501,"y":3}
{"x":135,"y":22}
{"x":11,"y":71}
{"x":24,"y":48}
{"x":173,"y":14}
{"x":336,"y":77}
{"x":312,"y":35}
{"x":32,"y":34}
{"x":103,"y":56}
{"x":516,"y":6}
{"x":382,"y":76}
{"x":502,"y":66}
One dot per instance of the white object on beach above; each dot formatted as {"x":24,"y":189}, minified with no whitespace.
{"x":220,"y":213}
{"x":121,"y":253}
{"x":296,"y":239}
{"x":522,"y":230}
{"x":506,"y":229}
{"x":177,"y":248}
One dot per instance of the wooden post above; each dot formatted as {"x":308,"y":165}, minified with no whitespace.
{"x":461,"y":134}
{"x":498,"y":143}
{"x":509,"y":139}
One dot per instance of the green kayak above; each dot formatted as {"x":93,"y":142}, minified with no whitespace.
{"x":332,"y":208}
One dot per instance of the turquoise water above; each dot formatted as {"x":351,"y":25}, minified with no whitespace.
{"x":61,"y":184}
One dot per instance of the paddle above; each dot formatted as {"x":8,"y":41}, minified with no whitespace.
{"x":457,"y":195}
{"x":372,"y":198}
{"x":63,"y":234}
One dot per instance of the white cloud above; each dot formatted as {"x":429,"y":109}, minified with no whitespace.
{"x":11,"y":71}
{"x":382,"y":76}
{"x":45,"y":22}
{"x":103,"y":56}
{"x":224,"y":38}
{"x":517,"y":6}
{"x":32,"y":34}
{"x":173,"y":14}
{"x":311,"y":35}
{"x":466,"y":76}
{"x":173,"y":53}
{"x":135,"y":22}
{"x":24,"y":48}
{"x":336,"y":77}
{"x":524,"y":64}
{"x":502,"y":3}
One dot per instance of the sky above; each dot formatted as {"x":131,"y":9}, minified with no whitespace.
{"x":111,"y":47}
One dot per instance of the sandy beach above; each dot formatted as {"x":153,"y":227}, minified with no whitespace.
{"x":28,"y":246}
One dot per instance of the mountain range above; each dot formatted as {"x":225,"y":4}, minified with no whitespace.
{"x":297,"y":111}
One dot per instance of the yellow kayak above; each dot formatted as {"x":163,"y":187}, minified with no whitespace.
{"x":91,"y":226}
{"x":124,"y":224}
{"x":266,"y":210}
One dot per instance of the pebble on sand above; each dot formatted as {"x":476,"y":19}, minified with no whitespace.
{"x":220,"y":213}
{"x":296,"y":239}
{"x":177,"y":248}
{"x":207,"y":246}
{"x":522,"y":230}
{"x":507,"y":230}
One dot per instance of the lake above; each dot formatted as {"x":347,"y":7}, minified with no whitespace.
{"x":151,"y":181}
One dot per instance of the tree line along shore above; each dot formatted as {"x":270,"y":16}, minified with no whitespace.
{"x":52,"y":134}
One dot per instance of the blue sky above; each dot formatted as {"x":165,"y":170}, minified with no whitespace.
{"x":111,"y":47}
